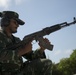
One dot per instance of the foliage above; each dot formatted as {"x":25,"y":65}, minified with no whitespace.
{"x":66,"y":66}
{"x":73,"y":61}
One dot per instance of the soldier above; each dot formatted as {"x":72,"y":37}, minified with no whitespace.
{"x":11,"y":62}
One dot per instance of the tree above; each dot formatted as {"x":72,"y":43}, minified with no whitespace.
{"x":73,"y":61}
{"x":55,"y":71}
{"x":64,"y":66}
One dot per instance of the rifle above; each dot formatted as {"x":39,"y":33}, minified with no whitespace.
{"x":38,"y":36}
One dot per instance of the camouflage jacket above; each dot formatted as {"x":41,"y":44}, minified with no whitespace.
{"x":10,"y":56}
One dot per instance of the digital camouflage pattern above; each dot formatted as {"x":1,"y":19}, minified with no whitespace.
{"x":37,"y":67}
{"x":8,"y":57}
{"x":36,"y":64}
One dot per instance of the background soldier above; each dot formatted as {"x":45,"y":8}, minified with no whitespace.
{"x":11,"y":60}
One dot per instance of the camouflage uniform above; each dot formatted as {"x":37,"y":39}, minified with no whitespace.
{"x":10,"y":62}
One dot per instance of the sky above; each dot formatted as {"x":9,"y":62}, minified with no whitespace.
{"x":39,"y":14}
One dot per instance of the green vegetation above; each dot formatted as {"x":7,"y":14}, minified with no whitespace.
{"x":66,"y":66}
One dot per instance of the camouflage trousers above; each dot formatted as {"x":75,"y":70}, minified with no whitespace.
{"x":37,"y":67}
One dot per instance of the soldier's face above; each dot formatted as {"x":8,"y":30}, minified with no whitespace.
{"x":13,"y":26}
